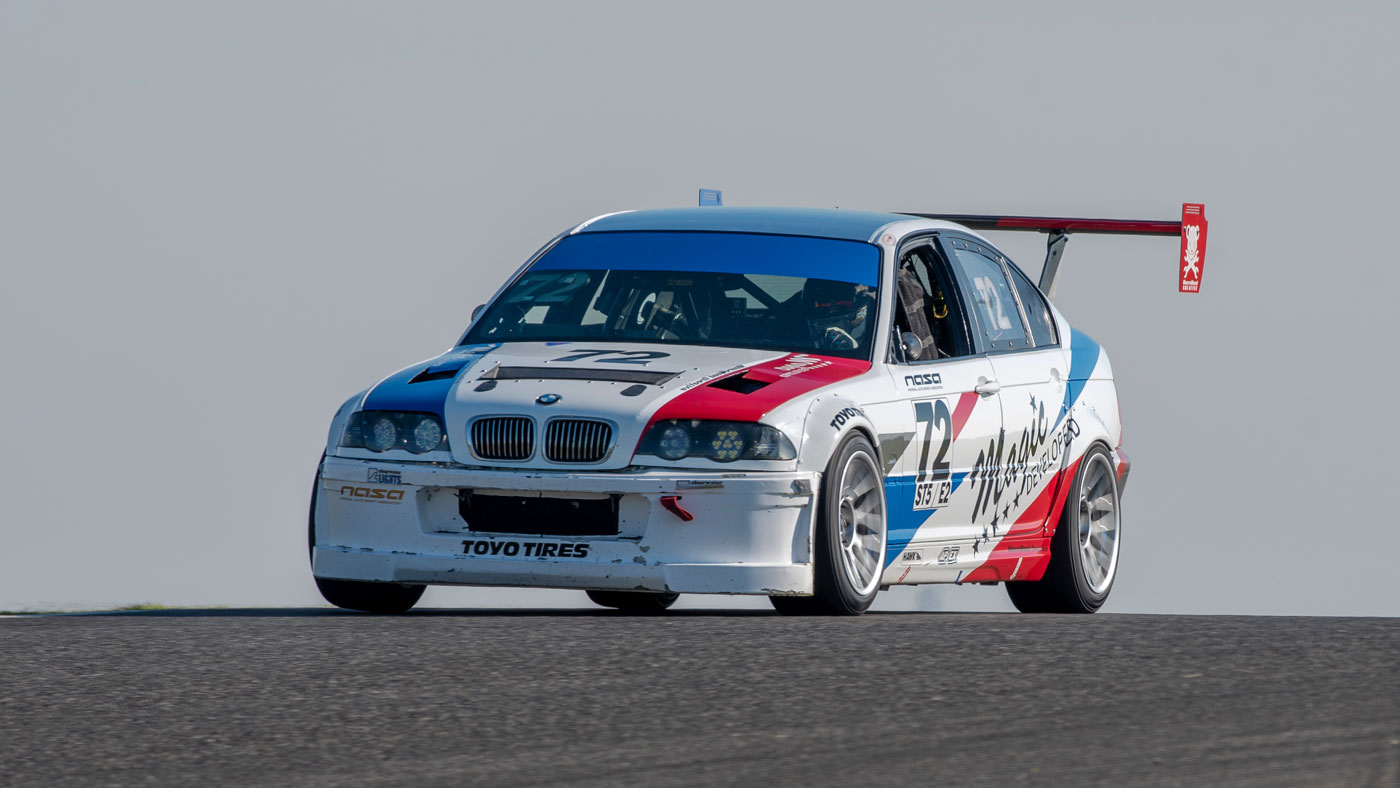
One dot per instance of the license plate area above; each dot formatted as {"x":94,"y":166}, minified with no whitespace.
{"x":538,"y":515}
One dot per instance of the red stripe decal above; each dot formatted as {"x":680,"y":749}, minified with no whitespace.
{"x":963,"y":410}
{"x":788,"y":377}
{"x":1026,"y":542}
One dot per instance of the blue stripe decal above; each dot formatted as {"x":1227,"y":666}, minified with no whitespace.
{"x":397,"y":393}
{"x":1083,"y":357}
{"x":725,"y":253}
{"x":903,"y":522}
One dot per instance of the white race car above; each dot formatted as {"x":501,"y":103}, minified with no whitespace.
{"x":810,"y":405}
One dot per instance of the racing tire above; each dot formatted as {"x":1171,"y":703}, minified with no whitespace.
{"x":851,"y":535}
{"x":796,"y":605}
{"x":634,"y":601}
{"x":1084,"y":550}
{"x":383,"y":598}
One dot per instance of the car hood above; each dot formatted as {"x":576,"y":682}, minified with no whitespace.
{"x":627,"y":385}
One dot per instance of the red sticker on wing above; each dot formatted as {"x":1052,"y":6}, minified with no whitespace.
{"x":1193,"y":246}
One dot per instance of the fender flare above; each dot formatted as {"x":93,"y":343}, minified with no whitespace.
{"x":1092,"y":429}
{"x":830,"y":420}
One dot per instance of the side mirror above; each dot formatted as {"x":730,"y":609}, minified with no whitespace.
{"x":912,"y":345}
{"x":477,"y":312}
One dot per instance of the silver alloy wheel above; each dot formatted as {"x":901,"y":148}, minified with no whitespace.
{"x":861,"y":525}
{"x":1098,"y":523}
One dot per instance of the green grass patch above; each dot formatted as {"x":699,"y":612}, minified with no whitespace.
{"x":122,"y":609}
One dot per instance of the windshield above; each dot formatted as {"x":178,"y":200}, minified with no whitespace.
{"x":788,"y":293}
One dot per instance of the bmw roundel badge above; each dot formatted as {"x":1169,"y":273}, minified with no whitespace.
{"x":548,"y":399}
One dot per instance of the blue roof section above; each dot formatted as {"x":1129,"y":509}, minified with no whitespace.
{"x":728,"y":253}
{"x":814,"y":222}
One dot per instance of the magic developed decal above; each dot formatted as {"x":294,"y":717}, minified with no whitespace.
{"x":1003,"y":475}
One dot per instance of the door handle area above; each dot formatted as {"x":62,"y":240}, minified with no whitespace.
{"x":987,"y":388}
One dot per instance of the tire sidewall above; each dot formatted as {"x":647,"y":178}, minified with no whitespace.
{"x":311,"y":517}
{"x":1069,"y":524}
{"x":833,"y":587}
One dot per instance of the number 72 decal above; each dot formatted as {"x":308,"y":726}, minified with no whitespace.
{"x":934,"y":484}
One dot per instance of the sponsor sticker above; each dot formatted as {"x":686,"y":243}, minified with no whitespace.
{"x":514,"y":549}
{"x":380,"y":476}
{"x":1193,"y":246}
{"x":799,"y":363}
{"x":845,"y":415}
{"x":716,"y":376}
{"x":351,"y":492}
{"x":923,"y":381}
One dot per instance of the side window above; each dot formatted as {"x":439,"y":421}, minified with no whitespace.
{"x":1042,"y":322}
{"x":928,"y":306}
{"x":998,"y":319}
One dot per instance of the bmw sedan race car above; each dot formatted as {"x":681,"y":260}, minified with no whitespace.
{"x":809,"y":405}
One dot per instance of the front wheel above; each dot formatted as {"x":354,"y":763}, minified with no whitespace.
{"x":849,"y":553}
{"x":354,"y":594}
{"x":1084,"y":549}
{"x":385,"y":598}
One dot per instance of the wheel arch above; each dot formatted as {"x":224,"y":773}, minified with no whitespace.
{"x":830,"y":421}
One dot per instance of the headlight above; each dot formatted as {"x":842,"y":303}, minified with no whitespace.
{"x":723,"y":441}
{"x":674,"y":442}
{"x":382,"y":430}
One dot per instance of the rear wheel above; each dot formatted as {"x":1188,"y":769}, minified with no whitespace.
{"x":849,"y":553}
{"x":634,"y":601}
{"x":356,"y":594}
{"x":1084,"y":549}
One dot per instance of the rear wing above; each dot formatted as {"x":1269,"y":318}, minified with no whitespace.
{"x":1191,"y":229}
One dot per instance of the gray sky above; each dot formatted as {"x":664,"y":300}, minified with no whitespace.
{"x":217,"y":221}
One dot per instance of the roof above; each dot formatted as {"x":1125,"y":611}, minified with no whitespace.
{"x":812,"y":222}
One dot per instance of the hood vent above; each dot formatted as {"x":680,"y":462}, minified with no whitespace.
{"x":435,"y":374}
{"x":573,"y":373}
{"x":445,"y":370}
{"x":741,"y":384}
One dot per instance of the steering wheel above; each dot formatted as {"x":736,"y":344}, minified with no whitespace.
{"x":838,"y":339}
{"x":670,"y":320}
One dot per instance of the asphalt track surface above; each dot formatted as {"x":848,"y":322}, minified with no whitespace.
{"x":326,"y":698}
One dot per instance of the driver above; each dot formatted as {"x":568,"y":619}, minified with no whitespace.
{"x":838,"y":313}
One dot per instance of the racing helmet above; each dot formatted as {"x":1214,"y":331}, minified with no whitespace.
{"x":837,"y":313}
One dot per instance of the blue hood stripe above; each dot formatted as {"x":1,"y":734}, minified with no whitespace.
{"x":397,"y":393}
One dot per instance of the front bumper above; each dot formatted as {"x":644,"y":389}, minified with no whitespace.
{"x":387,"y":522}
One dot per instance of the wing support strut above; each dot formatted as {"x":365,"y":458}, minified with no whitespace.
{"x":1050,"y":272}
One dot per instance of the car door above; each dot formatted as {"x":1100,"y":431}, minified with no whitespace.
{"x":1014,"y":324}
{"x":950,"y":414}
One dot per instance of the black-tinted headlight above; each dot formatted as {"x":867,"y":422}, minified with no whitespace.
{"x":722,"y":441}
{"x":383,"y":430}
